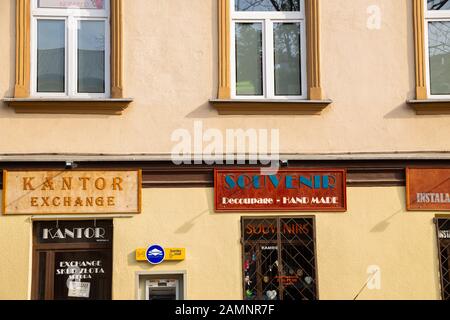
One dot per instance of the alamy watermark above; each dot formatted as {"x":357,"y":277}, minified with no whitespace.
{"x":231,"y":146}
{"x":374,"y":20}
{"x":374,"y":277}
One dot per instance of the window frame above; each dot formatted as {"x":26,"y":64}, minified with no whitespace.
{"x":71,"y":17}
{"x":267,"y":20}
{"x":50,"y":249}
{"x":443,"y":249}
{"x":280,"y":243}
{"x":423,"y":103}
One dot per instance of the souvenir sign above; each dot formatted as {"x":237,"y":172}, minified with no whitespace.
{"x":244,"y":190}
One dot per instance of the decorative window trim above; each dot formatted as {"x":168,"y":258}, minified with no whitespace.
{"x":423,"y":104}
{"x":226,"y":105}
{"x":111,"y":106}
{"x":23,"y":66}
{"x":269,"y":107}
{"x":23,"y":23}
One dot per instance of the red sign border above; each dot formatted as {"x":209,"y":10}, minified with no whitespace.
{"x":306,"y":209}
{"x":409,"y":206}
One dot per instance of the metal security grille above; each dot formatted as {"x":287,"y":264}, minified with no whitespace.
{"x":279,"y":258}
{"x":443,"y":226}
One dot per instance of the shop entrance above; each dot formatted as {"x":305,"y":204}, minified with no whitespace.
{"x":72,"y":260}
{"x":279,"y":259}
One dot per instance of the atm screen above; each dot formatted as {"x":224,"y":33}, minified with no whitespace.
{"x":158,"y":294}
{"x":162,"y":290}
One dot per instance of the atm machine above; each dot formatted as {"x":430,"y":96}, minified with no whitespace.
{"x":162,"y":289}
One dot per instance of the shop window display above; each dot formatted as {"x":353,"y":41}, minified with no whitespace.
{"x":444,"y":254}
{"x":279,"y":259}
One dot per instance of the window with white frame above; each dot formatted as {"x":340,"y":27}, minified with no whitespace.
{"x":268,"y":49}
{"x":437,"y":30}
{"x":70,"y":48}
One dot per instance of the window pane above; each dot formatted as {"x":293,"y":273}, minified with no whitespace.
{"x":79,"y":4}
{"x":438,"y":4}
{"x":91,"y":57}
{"x":249,"y":59}
{"x":267,"y":5}
{"x":298,"y":257}
{"x":279,"y":259}
{"x":444,"y":252}
{"x":287,"y":59}
{"x":90,"y":271}
{"x":51,"y":56}
{"x":439,"y":48}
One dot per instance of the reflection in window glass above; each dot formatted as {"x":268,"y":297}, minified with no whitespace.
{"x":249,"y":59}
{"x":287,"y":59}
{"x":439,"y":51}
{"x":91,"y":57}
{"x":267,"y":5}
{"x":78,"y":4}
{"x":279,"y":259}
{"x":51,"y":56}
{"x":438,"y":4}
{"x":444,"y":253}
{"x":83,"y":275}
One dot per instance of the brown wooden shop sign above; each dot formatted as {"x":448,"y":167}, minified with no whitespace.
{"x":247,"y":190}
{"x":428,"y":189}
{"x":71,"y":192}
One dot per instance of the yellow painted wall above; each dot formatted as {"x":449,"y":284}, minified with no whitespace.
{"x":376,"y":231}
{"x":170,"y":69}
{"x":15,"y":257}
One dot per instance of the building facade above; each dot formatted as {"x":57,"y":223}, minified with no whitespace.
{"x":117,"y":116}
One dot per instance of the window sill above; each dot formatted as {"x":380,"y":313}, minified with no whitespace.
{"x":69,"y":106}
{"x":270,"y":107}
{"x":430,"y":107}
